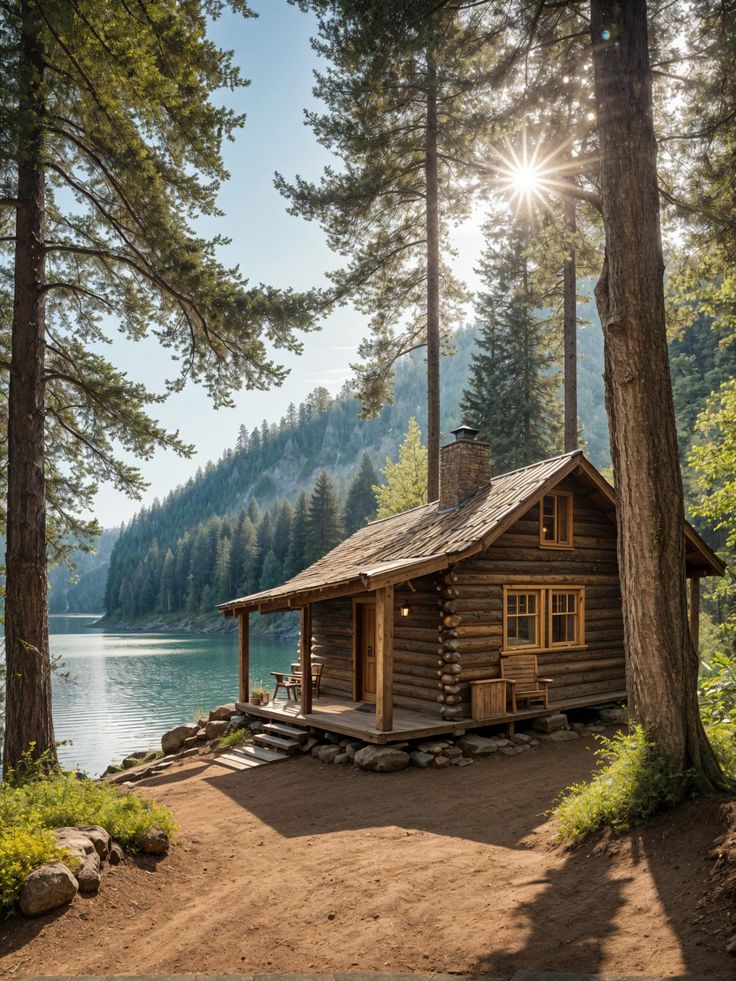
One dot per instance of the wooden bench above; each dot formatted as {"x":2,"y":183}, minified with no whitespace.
{"x":522,"y":674}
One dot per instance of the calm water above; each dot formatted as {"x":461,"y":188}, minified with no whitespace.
{"x":127,"y":689}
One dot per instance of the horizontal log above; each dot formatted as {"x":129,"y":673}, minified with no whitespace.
{"x":430,"y":647}
{"x":598,"y":688}
{"x":562,"y":563}
{"x":409,"y":632}
{"x":416,"y":705}
{"x":403,"y":678}
{"x":546,"y":579}
{"x":474,"y":605}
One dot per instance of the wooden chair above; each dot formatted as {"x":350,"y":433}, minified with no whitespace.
{"x":287,"y":681}
{"x":316,"y":679}
{"x":522,"y":674}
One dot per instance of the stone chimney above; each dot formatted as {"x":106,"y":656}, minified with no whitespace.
{"x":465,"y":467}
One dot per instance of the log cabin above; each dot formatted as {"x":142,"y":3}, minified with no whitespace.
{"x":416,"y":619}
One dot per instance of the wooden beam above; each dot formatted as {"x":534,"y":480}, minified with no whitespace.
{"x":306,"y":659}
{"x":384,"y":659}
{"x":243,"y":656}
{"x":695,"y":611}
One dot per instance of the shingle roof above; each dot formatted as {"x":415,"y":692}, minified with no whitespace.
{"x":426,"y":539}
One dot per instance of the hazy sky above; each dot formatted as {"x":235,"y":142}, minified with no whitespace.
{"x":269,"y":245}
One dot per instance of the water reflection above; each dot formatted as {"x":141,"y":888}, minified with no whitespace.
{"x":127,"y":689}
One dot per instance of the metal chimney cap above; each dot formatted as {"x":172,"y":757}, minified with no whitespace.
{"x":465,"y":432}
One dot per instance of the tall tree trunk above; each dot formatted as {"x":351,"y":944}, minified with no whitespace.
{"x":28,"y":703}
{"x":570,"y":317}
{"x":662,"y":665}
{"x":433,"y":286}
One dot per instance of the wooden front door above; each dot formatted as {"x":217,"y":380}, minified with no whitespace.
{"x":366,"y":652}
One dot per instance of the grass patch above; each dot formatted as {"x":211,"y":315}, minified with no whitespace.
{"x":45,"y":798}
{"x":235,"y":738}
{"x":631,"y":783}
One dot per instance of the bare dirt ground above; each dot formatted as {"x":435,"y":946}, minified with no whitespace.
{"x":304,"y":867}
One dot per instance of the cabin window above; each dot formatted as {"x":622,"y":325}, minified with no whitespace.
{"x":555,"y":520}
{"x":523,"y":621}
{"x":543,"y":618}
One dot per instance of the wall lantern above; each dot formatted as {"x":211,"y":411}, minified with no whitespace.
{"x":404,"y":610}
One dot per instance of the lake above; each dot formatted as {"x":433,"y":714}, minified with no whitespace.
{"x":126,"y":689}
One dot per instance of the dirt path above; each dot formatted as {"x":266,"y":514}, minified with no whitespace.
{"x":303,"y":867}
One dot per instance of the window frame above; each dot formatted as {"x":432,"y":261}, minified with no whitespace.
{"x":540,"y":617}
{"x":544,"y":594}
{"x":568,"y":498}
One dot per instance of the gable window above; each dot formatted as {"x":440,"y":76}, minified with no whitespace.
{"x":543,"y":618}
{"x":555,"y":520}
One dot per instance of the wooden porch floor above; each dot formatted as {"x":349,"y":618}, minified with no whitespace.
{"x":357,"y":719}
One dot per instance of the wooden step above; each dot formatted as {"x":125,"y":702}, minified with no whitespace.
{"x":290,"y":732}
{"x":259,"y":753}
{"x":288,"y":746}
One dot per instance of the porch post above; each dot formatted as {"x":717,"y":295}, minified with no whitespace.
{"x":695,"y":611}
{"x":384,"y":658}
{"x":306,"y":658}
{"x":243,"y":656}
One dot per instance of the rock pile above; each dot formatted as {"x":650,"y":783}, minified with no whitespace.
{"x":54,"y":885}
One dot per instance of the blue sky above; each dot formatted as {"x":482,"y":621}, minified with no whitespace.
{"x":269,"y":245}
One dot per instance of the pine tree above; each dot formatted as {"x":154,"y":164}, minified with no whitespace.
{"x":512,"y":394}
{"x":324,"y":528}
{"x":282,"y":532}
{"x":360,"y":504}
{"x":271,"y":574}
{"x":111,"y":141}
{"x":405,"y":482}
{"x":401,"y":113}
{"x":296,"y":556}
{"x":167,"y":591}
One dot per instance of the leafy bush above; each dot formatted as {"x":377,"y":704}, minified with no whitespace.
{"x":235,"y":738}
{"x":631,"y":783}
{"x":23,"y":849}
{"x":718,"y":708}
{"x":45,"y":797}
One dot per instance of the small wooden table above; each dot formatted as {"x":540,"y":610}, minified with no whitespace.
{"x":489,"y":699}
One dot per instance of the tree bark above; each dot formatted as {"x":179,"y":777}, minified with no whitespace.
{"x":28,"y":721}
{"x":433,"y":286}
{"x":570,"y":317}
{"x":662,"y":665}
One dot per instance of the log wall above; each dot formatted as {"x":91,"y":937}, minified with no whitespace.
{"x":472,"y":598}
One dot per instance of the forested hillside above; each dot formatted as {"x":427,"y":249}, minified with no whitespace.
{"x":239,"y":524}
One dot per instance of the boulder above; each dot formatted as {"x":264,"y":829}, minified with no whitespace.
{"x":153,"y":842}
{"x":216,"y":728}
{"x":382,"y":759}
{"x":116,"y":855}
{"x":614,"y":716}
{"x":462,"y":761}
{"x":550,"y":723}
{"x":341,"y":758}
{"x":172,"y":740}
{"x":452,"y":752}
{"x":239,"y":721}
{"x":88,"y":873}
{"x":441,"y":760}
{"x":562,"y":736}
{"x":421,"y":759}
{"x":521,"y":738}
{"x":190,"y":741}
{"x":308,"y":745}
{"x":352,"y":748}
{"x":474,"y":745}
{"x":201,"y":734}
{"x":328,"y":754}
{"x":46,"y":888}
{"x":76,"y":842}
{"x":223,"y":713}
{"x":508,"y":750}
{"x":98,"y":836}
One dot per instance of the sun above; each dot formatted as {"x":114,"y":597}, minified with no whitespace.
{"x":525,"y":179}
{"x":528,"y":175}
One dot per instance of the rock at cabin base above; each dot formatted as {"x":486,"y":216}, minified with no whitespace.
{"x":328,"y":754}
{"x":521,"y":738}
{"x":116,"y":855}
{"x":239,"y":721}
{"x":88,"y":873}
{"x":550,"y":723}
{"x":223,"y":713}
{"x":99,"y":838}
{"x":47,"y":888}
{"x":614,"y":716}
{"x":420,"y":759}
{"x":172,"y":740}
{"x":341,"y":758}
{"x":382,"y":759}
{"x":473,"y":745}
{"x":217,"y":728}
{"x":153,"y":842}
{"x":560,"y":736}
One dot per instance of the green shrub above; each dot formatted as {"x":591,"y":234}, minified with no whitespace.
{"x":235,"y":738}
{"x":23,"y":849}
{"x":718,"y":708}
{"x":44,"y":797}
{"x":631,"y":783}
